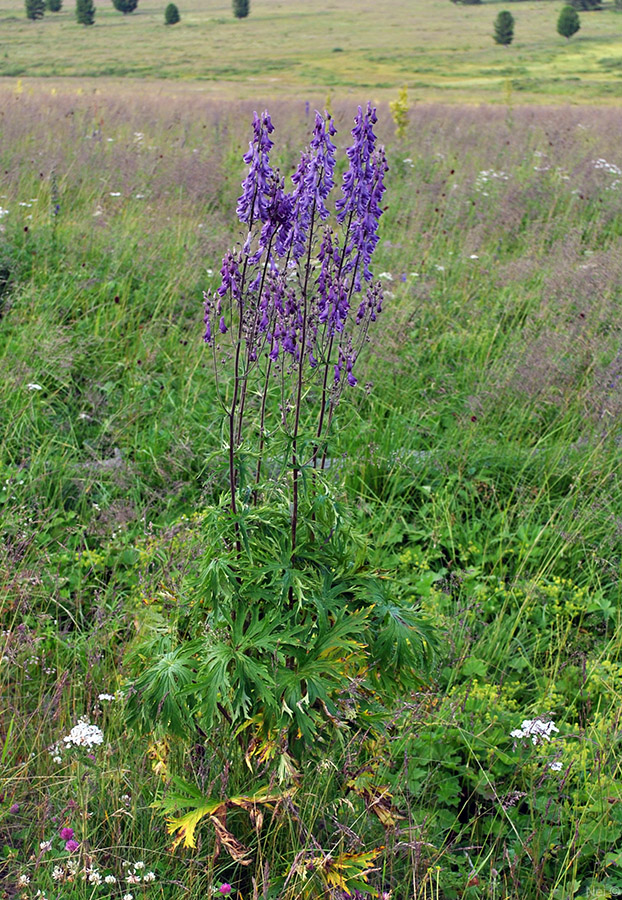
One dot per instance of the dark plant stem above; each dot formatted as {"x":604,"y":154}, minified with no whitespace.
{"x":303,"y":344}
{"x":262,"y":431}
{"x":251,"y":341}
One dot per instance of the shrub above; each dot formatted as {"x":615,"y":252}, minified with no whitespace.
{"x":85,"y":12}
{"x":241,"y":8}
{"x":171,"y":14}
{"x":125,"y":6}
{"x":504,"y":28}
{"x":584,"y":5}
{"x":53,"y":5}
{"x":568,"y":22}
{"x":35,"y":9}
{"x":399,"y":112}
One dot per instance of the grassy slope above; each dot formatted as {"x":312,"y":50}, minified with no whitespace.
{"x":440,"y":50}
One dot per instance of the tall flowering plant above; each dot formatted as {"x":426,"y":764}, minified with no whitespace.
{"x":283,"y":638}
{"x":293,"y":310}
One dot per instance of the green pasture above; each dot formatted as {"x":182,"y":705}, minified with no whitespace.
{"x":440,"y":50}
{"x":480,"y":477}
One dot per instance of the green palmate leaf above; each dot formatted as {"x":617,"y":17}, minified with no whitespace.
{"x":402,"y":641}
{"x":156,"y":698}
{"x":235,"y":672}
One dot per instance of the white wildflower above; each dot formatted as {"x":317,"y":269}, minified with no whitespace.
{"x":535,"y":729}
{"x":128,"y":896}
{"x":23,"y":881}
{"x":133,"y":878}
{"x":84,"y":735}
{"x":115,"y":193}
{"x":139,"y":865}
{"x":34,"y":387}
{"x":110,"y":879}
{"x":386,"y":275}
{"x":556,"y":766}
{"x":45,"y":846}
{"x":105,"y":696}
{"x":149,"y":876}
{"x":58,"y":873}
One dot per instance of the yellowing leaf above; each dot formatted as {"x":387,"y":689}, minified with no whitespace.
{"x":339,"y":871}
{"x":236,"y":850}
{"x":377,"y":799}
{"x":185,"y":826}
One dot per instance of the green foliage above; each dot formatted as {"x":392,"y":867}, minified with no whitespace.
{"x":297,"y":646}
{"x":171,"y":14}
{"x":35,"y":9}
{"x":125,"y":6}
{"x":85,"y":12}
{"x":585,"y":5}
{"x":53,"y":5}
{"x":241,"y":8}
{"x":504,"y":28}
{"x":568,"y":22}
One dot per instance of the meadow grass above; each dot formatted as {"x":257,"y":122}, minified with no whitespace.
{"x":440,"y":51}
{"x":483,"y":469}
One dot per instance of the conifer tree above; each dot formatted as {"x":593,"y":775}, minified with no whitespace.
{"x":171,"y":14}
{"x":584,"y":5}
{"x":125,"y":6}
{"x":85,"y":12}
{"x":504,"y":28}
{"x":241,"y":8}
{"x":35,"y":9}
{"x":53,"y":5}
{"x":568,"y":22}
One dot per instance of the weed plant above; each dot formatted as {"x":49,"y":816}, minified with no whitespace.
{"x":479,"y":475}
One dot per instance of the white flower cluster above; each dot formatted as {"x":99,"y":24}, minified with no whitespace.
{"x":607,"y":166}
{"x":67,"y":872}
{"x":486,"y":176}
{"x":134,"y":877}
{"x":535,"y":729}
{"x":94,"y":876}
{"x":118,"y":695}
{"x":84,"y":735}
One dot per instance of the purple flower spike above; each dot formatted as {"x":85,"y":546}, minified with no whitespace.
{"x":254,"y":201}
{"x":66,"y":834}
{"x":362,"y":190}
{"x":313,"y":182}
{"x":71,"y":846}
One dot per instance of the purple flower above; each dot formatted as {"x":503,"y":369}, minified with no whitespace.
{"x":14,"y":808}
{"x":253,"y":204}
{"x":66,"y":834}
{"x":71,"y":846}
{"x":362,"y":189}
{"x":313,"y":182}
{"x":225,"y":888}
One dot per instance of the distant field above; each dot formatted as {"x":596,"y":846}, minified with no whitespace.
{"x":440,"y":50}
